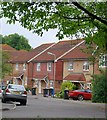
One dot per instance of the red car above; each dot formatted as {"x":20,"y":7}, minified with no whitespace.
{"x":80,"y":94}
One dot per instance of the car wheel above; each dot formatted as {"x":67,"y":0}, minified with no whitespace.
{"x":3,"y":100}
{"x":23,"y":102}
{"x":80,"y":97}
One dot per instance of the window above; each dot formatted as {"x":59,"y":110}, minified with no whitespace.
{"x":38,"y":66}
{"x":103,"y":61}
{"x":17,"y":66}
{"x":70,"y":66}
{"x":49,"y":66}
{"x":24,"y":66}
{"x":86,"y":66}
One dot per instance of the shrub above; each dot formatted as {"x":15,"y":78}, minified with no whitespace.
{"x":99,"y":89}
{"x":65,"y":86}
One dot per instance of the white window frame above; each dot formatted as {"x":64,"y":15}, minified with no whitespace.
{"x":49,"y":66}
{"x":86,"y":66}
{"x":70,"y":66}
{"x":38,"y":66}
{"x":103,"y":61}
{"x":17,"y":66}
{"x":24,"y":66}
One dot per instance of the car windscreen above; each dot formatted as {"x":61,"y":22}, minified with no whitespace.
{"x":16,"y":87}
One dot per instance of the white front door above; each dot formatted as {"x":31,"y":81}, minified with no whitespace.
{"x":40,"y":86}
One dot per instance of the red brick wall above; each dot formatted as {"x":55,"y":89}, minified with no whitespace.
{"x":30,"y":74}
{"x":59,"y":70}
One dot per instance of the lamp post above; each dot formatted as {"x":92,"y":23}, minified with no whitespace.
{"x":54,"y":70}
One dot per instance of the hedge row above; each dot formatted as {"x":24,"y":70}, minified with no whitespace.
{"x":99,"y":89}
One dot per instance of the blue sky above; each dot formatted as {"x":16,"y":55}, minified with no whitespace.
{"x":34,"y":39}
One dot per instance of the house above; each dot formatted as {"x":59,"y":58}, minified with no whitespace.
{"x":15,"y":76}
{"x":22,"y":67}
{"x":50,"y":64}
{"x":48,"y":67}
{"x":77,"y":68}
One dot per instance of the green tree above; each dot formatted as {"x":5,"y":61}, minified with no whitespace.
{"x":5,"y":67}
{"x":70,"y":18}
{"x":16,"y":41}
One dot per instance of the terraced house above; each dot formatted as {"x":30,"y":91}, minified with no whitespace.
{"x":49,"y":65}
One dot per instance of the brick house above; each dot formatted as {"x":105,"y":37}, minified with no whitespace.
{"x":77,"y":67}
{"x":22,"y":67}
{"x":36,"y":67}
{"x":17,"y":69}
{"x":45,"y":64}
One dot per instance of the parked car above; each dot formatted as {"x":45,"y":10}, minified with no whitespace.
{"x":1,"y":90}
{"x":15,"y":93}
{"x":80,"y":94}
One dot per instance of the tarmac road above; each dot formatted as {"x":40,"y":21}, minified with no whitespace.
{"x":47,"y":107}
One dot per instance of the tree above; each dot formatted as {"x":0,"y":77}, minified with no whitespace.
{"x":99,"y":88}
{"x":70,"y":18}
{"x":5,"y":67}
{"x":16,"y":41}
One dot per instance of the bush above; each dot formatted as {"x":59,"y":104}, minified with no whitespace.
{"x":99,"y":89}
{"x":65,"y":86}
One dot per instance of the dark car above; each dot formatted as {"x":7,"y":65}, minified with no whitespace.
{"x":80,"y":94}
{"x":15,"y":93}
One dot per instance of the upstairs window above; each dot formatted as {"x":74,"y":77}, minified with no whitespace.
{"x":86,"y":66}
{"x":70,"y":66}
{"x":38,"y":66}
{"x":103,"y":61}
{"x":17,"y":66}
{"x":24,"y":66}
{"x":49,"y":66}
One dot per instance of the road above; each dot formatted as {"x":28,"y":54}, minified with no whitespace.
{"x":47,"y":107}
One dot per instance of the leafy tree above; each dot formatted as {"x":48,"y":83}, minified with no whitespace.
{"x":86,"y":19}
{"x":16,"y":41}
{"x":1,"y":39}
{"x":5,"y":67}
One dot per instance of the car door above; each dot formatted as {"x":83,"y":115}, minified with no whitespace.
{"x":87,"y":94}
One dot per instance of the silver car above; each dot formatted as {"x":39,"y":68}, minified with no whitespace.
{"x":15,"y":93}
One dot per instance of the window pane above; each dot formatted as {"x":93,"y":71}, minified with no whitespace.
{"x":38,"y":66}
{"x":70,"y":66}
{"x":86,"y":66}
{"x":17,"y":66}
{"x":49,"y":66}
{"x":24,"y":66}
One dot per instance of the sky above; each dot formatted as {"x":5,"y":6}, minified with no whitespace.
{"x":33,"y":39}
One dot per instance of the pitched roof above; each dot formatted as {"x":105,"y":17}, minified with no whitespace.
{"x":26,"y":56}
{"x":75,"y":77}
{"x":58,"y":49}
{"x":6,"y":47}
{"x":12,"y":52}
{"x":77,"y":53}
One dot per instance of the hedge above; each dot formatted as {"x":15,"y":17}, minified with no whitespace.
{"x":99,"y":89}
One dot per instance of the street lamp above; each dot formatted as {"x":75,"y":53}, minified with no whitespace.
{"x":54,"y":70}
